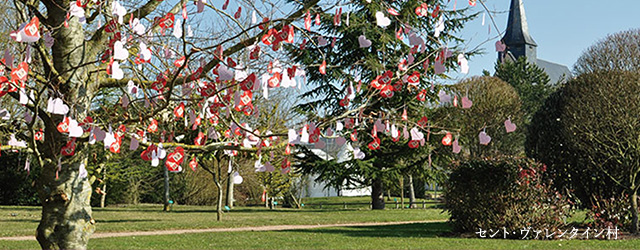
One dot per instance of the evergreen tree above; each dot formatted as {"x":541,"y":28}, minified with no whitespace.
{"x":375,"y":71}
{"x":529,"y":80}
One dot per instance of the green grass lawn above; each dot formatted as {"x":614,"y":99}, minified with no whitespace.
{"x":420,"y":235}
{"x":24,"y":220}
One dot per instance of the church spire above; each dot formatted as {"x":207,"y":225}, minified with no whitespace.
{"x":519,"y":42}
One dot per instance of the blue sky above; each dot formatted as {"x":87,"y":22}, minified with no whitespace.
{"x":561,"y":28}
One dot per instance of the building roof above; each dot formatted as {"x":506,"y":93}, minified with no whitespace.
{"x":557,"y":72}
{"x":517,"y":27}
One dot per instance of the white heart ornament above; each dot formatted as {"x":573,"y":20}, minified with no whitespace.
{"x":364,"y":42}
{"x":416,"y":135}
{"x":119,"y":52}
{"x":116,"y":71}
{"x":57,"y":106}
{"x":382,"y":20}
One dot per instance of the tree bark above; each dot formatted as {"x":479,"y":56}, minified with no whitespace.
{"x":66,"y":221}
{"x":634,"y":213}
{"x":402,"y":191}
{"x":377,"y":195}
{"x":103,"y":197}
{"x":412,"y":193}
{"x":219,"y":206}
{"x":229,"y":200}
{"x":166,"y":190}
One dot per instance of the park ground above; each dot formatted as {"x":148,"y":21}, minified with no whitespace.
{"x":421,"y":228}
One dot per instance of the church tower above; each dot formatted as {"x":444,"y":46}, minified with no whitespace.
{"x":517,"y":39}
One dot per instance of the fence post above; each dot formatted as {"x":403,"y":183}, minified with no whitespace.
{"x":396,"y":204}
{"x":320,"y":205}
{"x":423,"y":204}
{"x":345,"y":205}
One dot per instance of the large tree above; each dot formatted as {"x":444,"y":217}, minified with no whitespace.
{"x":529,"y":80}
{"x":597,"y":122}
{"x":494,"y":102}
{"x":128,"y":66}
{"x":381,"y":59}
{"x":617,"y":52}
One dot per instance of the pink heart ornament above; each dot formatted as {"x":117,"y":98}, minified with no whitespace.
{"x":484,"y":138}
{"x":509,"y":126}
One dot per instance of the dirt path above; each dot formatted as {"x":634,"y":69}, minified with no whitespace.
{"x":237,"y":229}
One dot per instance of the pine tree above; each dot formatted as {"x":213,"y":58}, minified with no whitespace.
{"x":394,"y":74}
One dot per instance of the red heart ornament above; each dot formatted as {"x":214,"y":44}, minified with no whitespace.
{"x":33,"y":27}
{"x":193,"y":164}
{"x":63,"y":126}
{"x":248,"y":109}
{"x":375,"y":144}
{"x":39,"y":135}
{"x":414,"y":78}
{"x":414,"y":144}
{"x":153,"y":126}
{"x":323,"y":67}
{"x":167,"y":21}
{"x":270,"y":37}
{"x":146,"y":154}
{"x":422,"y":10}
{"x":179,"y":111}
{"x":423,"y":122}
{"x":386,"y":77}
{"x":344,"y":102}
{"x":174,"y":160}
{"x":422,"y":95}
{"x":376,"y":84}
{"x":245,"y":98}
{"x":200,"y":140}
{"x":447,"y":139}
{"x":274,"y":81}
{"x":247,"y":83}
{"x":254,"y":53}
{"x":20,"y":73}
{"x":70,"y":148}
{"x":387,"y":91}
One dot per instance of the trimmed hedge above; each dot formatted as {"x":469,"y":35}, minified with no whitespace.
{"x":504,"y":192}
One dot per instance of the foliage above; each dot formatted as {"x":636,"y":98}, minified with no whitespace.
{"x":616,"y":52}
{"x":16,"y":184}
{"x":494,"y":101}
{"x":529,"y":80}
{"x":547,"y":142}
{"x":597,"y":121}
{"x":502,"y":192}
{"x":351,"y":68}
{"x":611,"y":212}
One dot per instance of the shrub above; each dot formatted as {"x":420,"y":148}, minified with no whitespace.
{"x":504,"y":192}
{"x":610,"y":212}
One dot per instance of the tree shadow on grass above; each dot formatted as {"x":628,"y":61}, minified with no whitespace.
{"x":121,"y":221}
{"x":19,"y":220}
{"x":415,"y":230}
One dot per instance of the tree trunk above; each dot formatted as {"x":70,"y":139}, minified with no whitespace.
{"x":412,"y":193}
{"x":66,"y":221}
{"x":634,"y":213}
{"x":103,"y":198}
{"x":377,"y":196}
{"x":229,"y":201}
{"x":166,"y":190}
{"x":219,"y":206}
{"x":402,"y":191}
